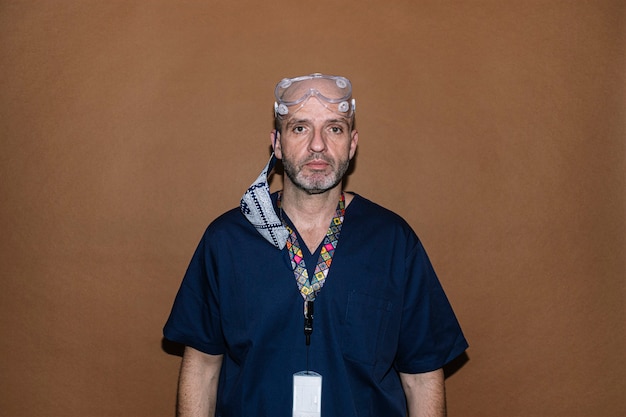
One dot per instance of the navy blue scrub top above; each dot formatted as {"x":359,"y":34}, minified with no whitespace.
{"x":381,"y":311}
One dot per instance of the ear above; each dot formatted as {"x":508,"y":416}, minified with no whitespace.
{"x":275,"y":139}
{"x":354,"y":141}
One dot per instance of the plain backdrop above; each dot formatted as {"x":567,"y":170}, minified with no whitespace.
{"x":496,"y":128}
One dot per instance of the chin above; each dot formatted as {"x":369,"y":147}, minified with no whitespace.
{"x":317,"y":188}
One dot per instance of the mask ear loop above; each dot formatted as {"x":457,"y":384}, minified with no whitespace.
{"x":276,"y":138}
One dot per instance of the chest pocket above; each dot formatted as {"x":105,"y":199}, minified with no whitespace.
{"x":365,"y":322}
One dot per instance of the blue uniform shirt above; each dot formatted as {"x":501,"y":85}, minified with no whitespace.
{"x":381,"y":311}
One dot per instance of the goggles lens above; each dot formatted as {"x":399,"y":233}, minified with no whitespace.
{"x":329,"y":89}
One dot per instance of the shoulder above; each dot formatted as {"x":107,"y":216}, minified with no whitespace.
{"x":228,"y":225}
{"x":377,"y":222}
{"x":233,"y":231}
{"x":375,"y":213}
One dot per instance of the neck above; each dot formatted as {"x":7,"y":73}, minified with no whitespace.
{"x":297,"y":202}
{"x":310,"y":213}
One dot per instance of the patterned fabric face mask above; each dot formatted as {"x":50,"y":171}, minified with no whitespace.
{"x":256,"y":205}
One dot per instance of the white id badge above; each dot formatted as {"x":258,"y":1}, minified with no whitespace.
{"x":307,"y":394}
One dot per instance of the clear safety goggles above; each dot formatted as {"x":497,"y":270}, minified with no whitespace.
{"x":333,"y":91}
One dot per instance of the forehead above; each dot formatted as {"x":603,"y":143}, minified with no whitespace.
{"x":314,"y":111}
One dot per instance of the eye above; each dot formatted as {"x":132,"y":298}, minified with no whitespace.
{"x":336,"y":129}
{"x":298,"y":129}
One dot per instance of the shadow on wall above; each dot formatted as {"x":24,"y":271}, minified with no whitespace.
{"x":172,"y":348}
{"x":457,"y":363}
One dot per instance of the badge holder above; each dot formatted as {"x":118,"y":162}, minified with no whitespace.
{"x":307,"y":394}
{"x":307,"y":385}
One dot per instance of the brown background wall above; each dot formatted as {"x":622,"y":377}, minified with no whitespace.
{"x":496,"y":128}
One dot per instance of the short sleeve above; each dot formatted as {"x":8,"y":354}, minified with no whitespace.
{"x":430,"y":334}
{"x":195,"y":316}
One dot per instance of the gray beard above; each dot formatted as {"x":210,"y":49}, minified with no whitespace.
{"x":315,"y":186}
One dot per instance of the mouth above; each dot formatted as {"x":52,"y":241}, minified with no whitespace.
{"x":317,"y":164}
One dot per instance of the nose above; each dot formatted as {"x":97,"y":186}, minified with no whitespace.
{"x":318,"y":142}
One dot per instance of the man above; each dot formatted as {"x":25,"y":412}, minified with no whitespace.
{"x":312,"y":301}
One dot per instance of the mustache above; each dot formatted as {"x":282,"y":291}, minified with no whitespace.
{"x":318,"y":157}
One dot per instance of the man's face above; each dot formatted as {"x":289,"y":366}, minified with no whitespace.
{"x":316,"y":146}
